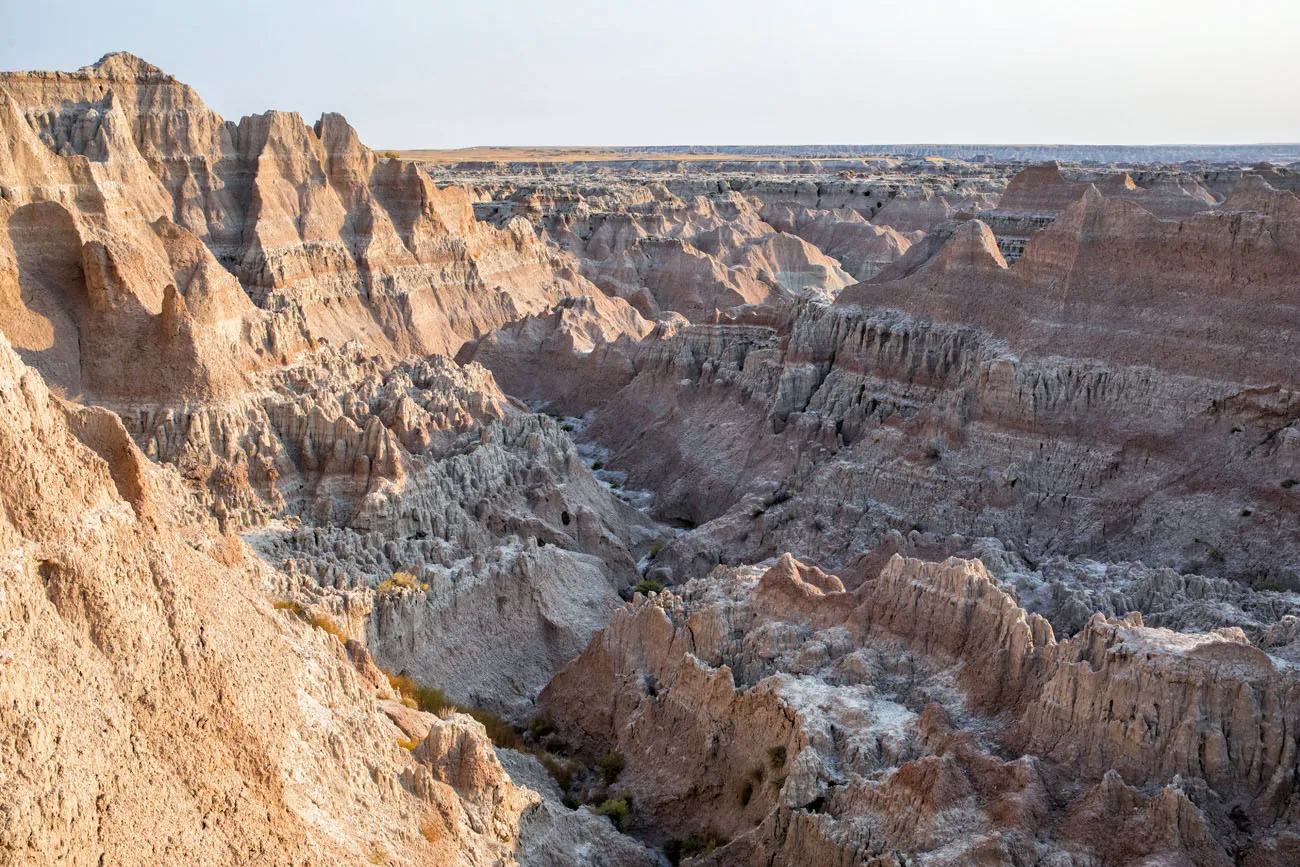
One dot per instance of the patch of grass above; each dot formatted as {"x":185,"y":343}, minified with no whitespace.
{"x":326,"y":624}
{"x":541,"y":726}
{"x":408,"y":743}
{"x":426,"y":698}
{"x":400,"y":581}
{"x":502,"y":733}
{"x":611,"y":765}
{"x":287,"y":605}
{"x":432,"y":828}
{"x":598,"y":465}
{"x":776,"y":757}
{"x":563,"y":771}
{"x":389,"y":155}
{"x":646,"y":586}
{"x":433,"y":700}
{"x":618,"y":810}
{"x":654,"y":552}
{"x":678,"y":851}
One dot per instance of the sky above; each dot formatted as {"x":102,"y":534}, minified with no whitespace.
{"x":436,"y":74}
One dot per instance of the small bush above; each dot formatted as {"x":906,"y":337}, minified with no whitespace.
{"x":611,"y":765}
{"x":1246,"y":513}
{"x":598,"y":465}
{"x":389,"y":155}
{"x":776,"y":757}
{"x":502,"y":733}
{"x":1289,"y":483}
{"x":433,"y":700}
{"x":618,"y":810}
{"x":415,"y":694}
{"x":325,"y":623}
{"x":561,"y":770}
{"x":647,"y":586}
{"x":678,"y":851}
{"x":287,"y":605}
{"x":408,"y":743}
{"x":654,"y":552}
{"x":432,"y":828}
{"x":541,"y":726}
{"x":400,"y":581}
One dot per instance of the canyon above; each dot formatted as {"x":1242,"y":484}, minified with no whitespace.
{"x":857,"y":506}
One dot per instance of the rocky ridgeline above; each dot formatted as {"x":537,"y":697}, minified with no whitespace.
{"x":857,"y":727}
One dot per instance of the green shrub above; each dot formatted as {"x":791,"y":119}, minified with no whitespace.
{"x":598,"y":465}
{"x":654,"y":552}
{"x":678,"y":851}
{"x":617,"y":809}
{"x":561,"y":770}
{"x":611,"y":765}
{"x":647,"y":586}
{"x":502,"y":733}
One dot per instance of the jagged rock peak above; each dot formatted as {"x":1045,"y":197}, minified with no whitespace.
{"x":124,"y":66}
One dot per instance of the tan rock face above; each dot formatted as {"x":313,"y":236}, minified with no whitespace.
{"x":156,"y":708}
{"x":871,"y":722}
{"x":118,"y":170}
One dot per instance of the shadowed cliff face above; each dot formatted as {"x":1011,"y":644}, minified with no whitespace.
{"x":852,"y":372}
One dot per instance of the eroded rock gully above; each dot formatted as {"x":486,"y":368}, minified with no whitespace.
{"x":271,"y":428}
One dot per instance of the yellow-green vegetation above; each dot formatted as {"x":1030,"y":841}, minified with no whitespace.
{"x":287,"y":605}
{"x":502,"y":733}
{"x":432,"y":828}
{"x":619,"y":810}
{"x":678,"y":851}
{"x":562,"y":770}
{"x":389,"y":155}
{"x":427,"y":698}
{"x":408,"y":743}
{"x":646,"y":586}
{"x":325,"y":623}
{"x":400,"y":581}
{"x":611,"y":765}
{"x":433,"y":700}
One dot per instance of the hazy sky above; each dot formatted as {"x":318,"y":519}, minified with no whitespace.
{"x":437,"y":74}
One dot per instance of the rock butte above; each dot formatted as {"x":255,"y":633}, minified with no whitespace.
{"x":794,"y":507}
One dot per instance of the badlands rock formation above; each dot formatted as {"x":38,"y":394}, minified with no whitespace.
{"x":927,"y":718}
{"x":307,"y":450}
